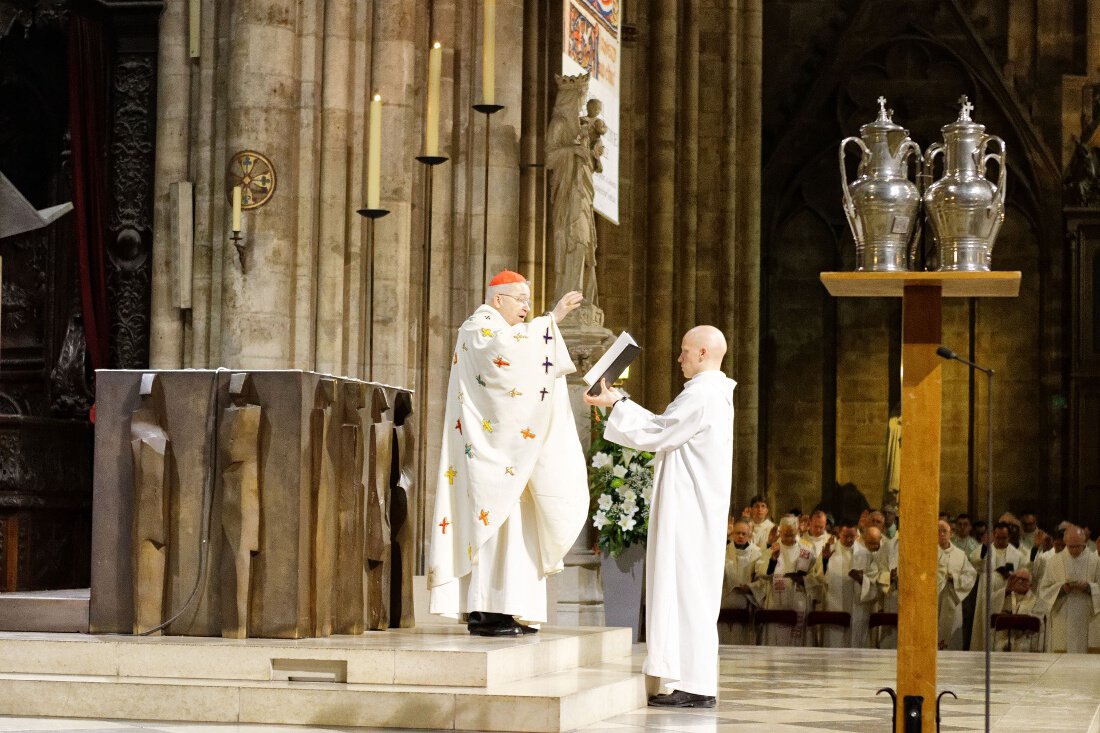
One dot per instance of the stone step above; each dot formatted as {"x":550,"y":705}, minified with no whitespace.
{"x":550,"y":703}
{"x":47,"y":610}
{"x":431,"y":655}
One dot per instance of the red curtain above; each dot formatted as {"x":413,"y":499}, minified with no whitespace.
{"x":88,"y":74}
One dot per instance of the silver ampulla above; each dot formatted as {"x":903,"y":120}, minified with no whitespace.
{"x":881,"y":203}
{"x":964,"y":208}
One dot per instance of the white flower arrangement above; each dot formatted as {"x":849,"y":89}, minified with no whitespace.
{"x":621,"y":484}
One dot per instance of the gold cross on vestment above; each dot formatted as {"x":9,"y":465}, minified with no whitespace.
{"x":488,"y":425}
{"x":450,"y":473}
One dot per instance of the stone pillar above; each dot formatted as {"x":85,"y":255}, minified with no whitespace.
{"x":263,"y":101}
{"x":173,"y":145}
{"x":659,"y":309}
{"x":333,"y":207}
{"x":687,"y":168}
{"x":746,"y":241}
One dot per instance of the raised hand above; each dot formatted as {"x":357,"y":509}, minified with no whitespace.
{"x":568,"y":303}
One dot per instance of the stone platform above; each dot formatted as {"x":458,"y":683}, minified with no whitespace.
{"x":432,"y":676}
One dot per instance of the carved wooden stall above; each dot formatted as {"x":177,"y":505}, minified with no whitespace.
{"x":278,"y":495}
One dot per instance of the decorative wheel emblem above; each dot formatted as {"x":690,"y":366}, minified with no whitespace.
{"x":255,"y":174}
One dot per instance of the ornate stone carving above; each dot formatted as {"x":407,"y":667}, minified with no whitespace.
{"x":132,"y":149}
{"x":573,"y":150}
{"x":71,"y":395}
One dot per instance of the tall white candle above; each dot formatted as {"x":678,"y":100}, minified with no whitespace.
{"x":488,"y":54}
{"x":236,"y":208}
{"x":431,"y":121}
{"x":374,"y":153}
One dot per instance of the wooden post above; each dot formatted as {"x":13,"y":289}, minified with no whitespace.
{"x":921,"y":390}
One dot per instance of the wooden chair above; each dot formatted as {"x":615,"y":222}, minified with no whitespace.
{"x":780,"y":616}
{"x":1015,"y":622}
{"x":878,"y":621}
{"x":816,"y":619}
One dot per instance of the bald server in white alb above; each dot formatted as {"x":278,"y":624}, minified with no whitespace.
{"x":685,"y":550}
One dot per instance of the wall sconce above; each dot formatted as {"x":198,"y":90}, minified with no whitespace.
{"x":236,"y":238}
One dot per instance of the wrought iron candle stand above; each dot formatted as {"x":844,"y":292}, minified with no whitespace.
{"x":373,"y":215}
{"x":488,"y":110}
{"x":429,"y":162}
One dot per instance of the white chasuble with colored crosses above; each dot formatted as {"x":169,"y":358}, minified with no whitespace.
{"x":507,"y":426}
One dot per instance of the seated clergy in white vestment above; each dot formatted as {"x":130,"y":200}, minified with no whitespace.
{"x":685,"y":548}
{"x":741,"y":557}
{"x":848,"y":588}
{"x":762,"y":526}
{"x":1006,"y":560}
{"x":1071,"y":593}
{"x":512,"y":486}
{"x":1021,"y":600}
{"x":784,"y":583}
{"x":955,"y":579}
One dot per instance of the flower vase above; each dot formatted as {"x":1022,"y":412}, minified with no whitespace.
{"x":623,"y":585}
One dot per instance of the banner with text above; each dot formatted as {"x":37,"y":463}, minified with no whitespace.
{"x":592,"y":44}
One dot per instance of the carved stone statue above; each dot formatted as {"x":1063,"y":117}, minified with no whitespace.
{"x":240,"y":441}
{"x":573,"y":150}
{"x":152,"y":453}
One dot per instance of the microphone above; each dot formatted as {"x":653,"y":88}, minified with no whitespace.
{"x":948,"y":354}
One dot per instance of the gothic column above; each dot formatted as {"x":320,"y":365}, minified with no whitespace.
{"x":659,"y":308}
{"x":333,"y":206}
{"x":746,"y":240}
{"x":263,"y":100}
{"x":173,"y":146}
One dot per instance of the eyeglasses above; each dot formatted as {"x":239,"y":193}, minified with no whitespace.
{"x":521,"y":301}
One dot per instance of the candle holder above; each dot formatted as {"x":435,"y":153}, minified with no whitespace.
{"x":488,"y":110}
{"x":430,"y":162}
{"x":371,"y":214}
{"x":241,"y":248}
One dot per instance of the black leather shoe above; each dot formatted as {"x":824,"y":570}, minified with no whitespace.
{"x":496,"y":631}
{"x":681,"y":699}
{"x":526,"y":629}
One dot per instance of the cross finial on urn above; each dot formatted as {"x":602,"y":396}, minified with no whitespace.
{"x":964,"y":112}
{"x":882,"y":113}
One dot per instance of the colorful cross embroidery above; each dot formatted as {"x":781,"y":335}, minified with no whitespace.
{"x":465,"y":347}
{"x":547,"y":338}
{"x":484,"y":517}
{"x":461,"y":396}
{"x":519,"y":336}
{"x":458,"y":425}
{"x":515,"y":393}
{"x":480,"y":380}
{"x":510,"y":470}
{"x":444,"y":524}
{"x":527,"y":434}
{"x":543,"y":392}
{"x":487,"y":333}
{"x":488,"y":425}
{"x":450,"y":473}
{"x":501,"y":362}
{"x":455,"y":361}
{"x":469,"y":450}
{"x":487,"y":317}
{"x":546,"y":364}
{"x":470,"y":551}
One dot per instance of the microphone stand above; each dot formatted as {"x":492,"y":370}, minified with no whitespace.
{"x":947,"y":353}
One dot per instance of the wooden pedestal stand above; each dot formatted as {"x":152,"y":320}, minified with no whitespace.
{"x":919,"y":498}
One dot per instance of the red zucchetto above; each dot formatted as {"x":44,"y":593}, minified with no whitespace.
{"x":506,"y":277}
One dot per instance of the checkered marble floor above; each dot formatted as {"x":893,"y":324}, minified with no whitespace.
{"x":768,"y":690}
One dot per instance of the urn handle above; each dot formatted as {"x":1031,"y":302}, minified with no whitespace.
{"x":929,"y":160}
{"x":982,"y":158}
{"x":849,"y":206}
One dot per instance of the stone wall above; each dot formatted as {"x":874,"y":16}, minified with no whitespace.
{"x":292,"y":80}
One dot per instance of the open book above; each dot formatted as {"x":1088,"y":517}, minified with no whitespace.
{"x":613,"y":363}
